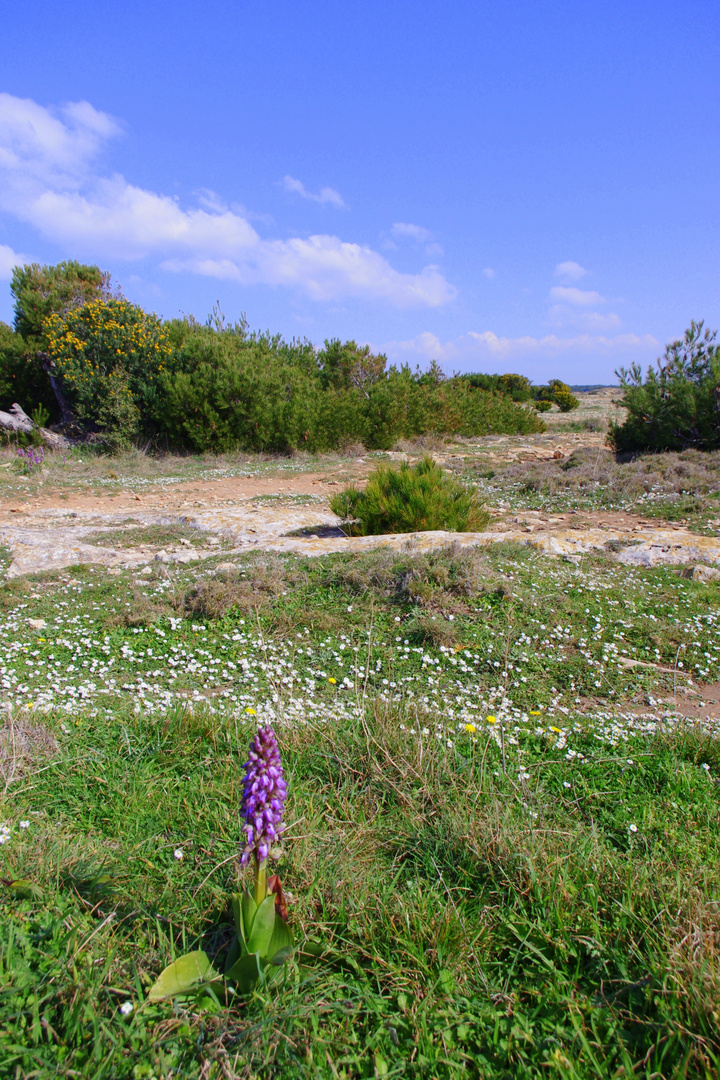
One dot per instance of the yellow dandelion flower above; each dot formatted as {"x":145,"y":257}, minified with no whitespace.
{"x":491,"y":719}
{"x":250,"y":711}
{"x":331,"y":680}
{"x":471,"y":729}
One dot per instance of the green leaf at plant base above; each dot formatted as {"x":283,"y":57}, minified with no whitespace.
{"x":185,"y":974}
{"x":263,"y":925}
{"x":280,"y":946}
{"x":244,"y":909}
{"x":29,"y":890}
{"x":236,"y":950}
{"x":245,"y":973}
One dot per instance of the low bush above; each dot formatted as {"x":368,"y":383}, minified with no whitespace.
{"x":678,"y":404}
{"x":413,"y":498}
{"x":558,"y":393}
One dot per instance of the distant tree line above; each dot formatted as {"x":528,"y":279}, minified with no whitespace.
{"x":82,"y":357}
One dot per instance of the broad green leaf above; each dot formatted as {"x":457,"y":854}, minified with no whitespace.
{"x":244,"y":908}
{"x":245,"y":973}
{"x":278,"y":958}
{"x":234,"y":953}
{"x":280,"y":942}
{"x":262,"y":927}
{"x":29,"y":890}
{"x":185,"y":974}
{"x":249,"y":910}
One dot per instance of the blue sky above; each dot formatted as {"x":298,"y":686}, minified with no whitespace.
{"x":503,"y":187}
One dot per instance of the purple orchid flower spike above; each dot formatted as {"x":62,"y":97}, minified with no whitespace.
{"x":264,"y":797}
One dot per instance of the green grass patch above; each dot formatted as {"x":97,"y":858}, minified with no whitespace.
{"x":503,"y":850}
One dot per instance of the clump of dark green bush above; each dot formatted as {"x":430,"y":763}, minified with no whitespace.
{"x":677,"y":406}
{"x":519,"y":388}
{"x":555,"y":393}
{"x":412,"y":498}
{"x":217,"y":387}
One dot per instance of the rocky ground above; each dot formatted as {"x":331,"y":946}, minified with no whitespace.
{"x":77,"y":511}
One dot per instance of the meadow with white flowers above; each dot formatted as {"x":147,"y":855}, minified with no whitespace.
{"x":503,"y":818}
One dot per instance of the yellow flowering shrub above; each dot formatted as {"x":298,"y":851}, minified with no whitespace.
{"x":109,"y":355}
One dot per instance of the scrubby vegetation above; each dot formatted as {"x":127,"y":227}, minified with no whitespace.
{"x":107,"y":370}
{"x":519,"y":388}
{"x":677,"y":405}
{"x":681,"y":487}
{"x":411,"y":498}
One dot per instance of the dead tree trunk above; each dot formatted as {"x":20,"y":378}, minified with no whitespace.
{"x":66,"y":414}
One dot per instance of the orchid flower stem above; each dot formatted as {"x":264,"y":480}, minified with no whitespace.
{"x":261,"y":889}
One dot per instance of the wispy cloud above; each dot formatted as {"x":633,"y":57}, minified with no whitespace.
{"x":570,"y":271}
{"x":487,"y":351}
{"x":489,"y":272}
{"x":405,"y":230}
{"x":10,"y":259}
{"x":49,"y":179}
{"x":325,"y":195}
{"x":567,"y":294}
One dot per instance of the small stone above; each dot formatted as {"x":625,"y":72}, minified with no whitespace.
{"x":163,"y":557}
{"x":36,"y":624}
{"x":146,"y":571}
{"x":702,"y":573}
{"x":213,"y":541}
{"x":115,"y":571}
{"x":225,"y":567}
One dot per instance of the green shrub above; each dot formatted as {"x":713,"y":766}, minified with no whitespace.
{"x":542,"y":405}
{"x":559,"y":393}
{"x":109,"y":356}
{"x":410,"y":499}
{"x":21,"y":379}
{"x":232,"y":390}
{"x":516,"y":387}
{"x":678,"y":404}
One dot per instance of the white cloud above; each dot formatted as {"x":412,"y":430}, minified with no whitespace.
{"x":327,"y":269}
{"x":562,"y":316}
{"x":577,"y":297}
{"x":40,"y":143}
{"x":489,"y":272}
{"x":325,"y":195}
{"x":403,"y":230}
{"x":570,"y":271}
{"x":48,"y":180}
{"x":577,"y":358}
{"x":8,"y":260}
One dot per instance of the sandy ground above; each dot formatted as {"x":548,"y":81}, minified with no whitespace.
{"x":284,"y":506}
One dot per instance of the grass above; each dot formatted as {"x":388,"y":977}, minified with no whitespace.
{"x":503,"y":852}
{"x":456,"y":918}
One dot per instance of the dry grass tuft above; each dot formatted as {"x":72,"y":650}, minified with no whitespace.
{"x":692,"y":939}
{"x":23,"y":744}
{"x":141,"y":609}
{"x":246,"y":590}
{"x":690,"y":472}
{"x":422,"y":444}
{"x":440,"y":581}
